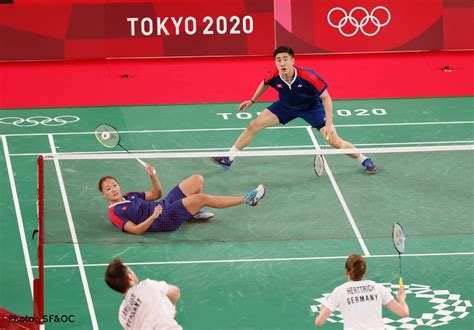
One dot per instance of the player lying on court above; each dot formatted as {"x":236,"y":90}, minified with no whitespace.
{"x":139,"y":212}
{"x":302,"y":94}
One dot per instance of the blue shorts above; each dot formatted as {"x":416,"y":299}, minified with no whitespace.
{"x":174,"y":213}
{"x":314,"y":115}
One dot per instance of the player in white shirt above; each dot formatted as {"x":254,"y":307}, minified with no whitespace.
{"x":361,"y":301}
{"x":147,"y":304}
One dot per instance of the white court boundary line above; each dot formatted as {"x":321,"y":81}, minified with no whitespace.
{"x":72,"y":229}
{"x":242,"y":128}
{"x":340,"y":197}
{"x":221,"y":261}
{"x":19,"y":218}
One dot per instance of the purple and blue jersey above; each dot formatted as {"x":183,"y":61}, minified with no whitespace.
{"x":300,"y":99}
{"x":136,"y":209}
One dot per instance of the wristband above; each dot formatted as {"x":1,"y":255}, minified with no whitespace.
{"x":252,"y":101}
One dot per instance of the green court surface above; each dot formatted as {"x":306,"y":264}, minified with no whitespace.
{"x":248,"y":268}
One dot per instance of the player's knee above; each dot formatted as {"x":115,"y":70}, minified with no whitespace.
{"x":197,"y":179}
{"x":254,"y":126}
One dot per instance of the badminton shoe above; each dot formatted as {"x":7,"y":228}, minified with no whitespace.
{"x":253,"y":197}
{"x":225,"y":162}
{"x":369,"y":166}
{"x":202,"y":217}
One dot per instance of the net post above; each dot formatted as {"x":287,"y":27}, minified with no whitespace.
{"x":38,"y":283}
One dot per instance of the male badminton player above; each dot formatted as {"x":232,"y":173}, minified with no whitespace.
{"x":360,"y":301}
{"x":139,"y":212}
{"x":146,"y":304}
{"x":302,"y":94}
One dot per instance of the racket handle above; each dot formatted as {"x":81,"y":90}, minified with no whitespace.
{"x":141,"y":162}
{"x":144,"y":164}
{"x":401,"y":282}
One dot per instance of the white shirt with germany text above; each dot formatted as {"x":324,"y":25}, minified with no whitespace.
{"x":146,"y":306}
{"x":360,"y":303}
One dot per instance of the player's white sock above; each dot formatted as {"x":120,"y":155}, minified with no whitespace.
{"x":362,"y":158}
{"x":232,"y":152}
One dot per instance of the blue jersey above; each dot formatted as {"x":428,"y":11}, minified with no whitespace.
{"x":134,"y":208}
{"x":304,"y":91}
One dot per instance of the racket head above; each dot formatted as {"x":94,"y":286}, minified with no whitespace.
{"x":318,"y":164}
{"x":107,"y":135}
{"x":399,"y":239}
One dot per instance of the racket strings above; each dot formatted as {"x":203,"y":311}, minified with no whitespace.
{"x":319,"y":165}
{"x":108,"y":136}
{"x":398,"y":237}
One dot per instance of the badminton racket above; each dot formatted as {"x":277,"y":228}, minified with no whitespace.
{"x":399,"y":242}
{"x":109,"y":137}
{"x":318,"y":164}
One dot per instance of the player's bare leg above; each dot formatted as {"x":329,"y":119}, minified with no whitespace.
{"x":192,"y":185}
{"x":265,"y":119}
{"x":195,"y":202}
{"x":337,"y":142}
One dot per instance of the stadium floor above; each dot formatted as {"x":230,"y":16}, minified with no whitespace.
{"x":262,"y":268}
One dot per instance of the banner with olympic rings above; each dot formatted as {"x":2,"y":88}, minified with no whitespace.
{"x":341,"y":26}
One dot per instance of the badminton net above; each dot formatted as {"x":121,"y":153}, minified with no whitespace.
{"x":428,"y":189}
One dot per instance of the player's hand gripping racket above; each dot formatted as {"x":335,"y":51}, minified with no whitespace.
{"x":318,"y":164}
{"x":399,"y":243}
{"x":109,"y":137}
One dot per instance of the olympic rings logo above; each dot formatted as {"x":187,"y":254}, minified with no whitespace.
{"x":39,"y":120}
{"x":349,"y":19}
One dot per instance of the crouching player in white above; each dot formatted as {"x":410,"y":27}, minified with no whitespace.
{"x":147,"y":304}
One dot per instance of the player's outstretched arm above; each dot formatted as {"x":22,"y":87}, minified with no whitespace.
{"x":155,"y":191}
{"x":247,"y":104}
